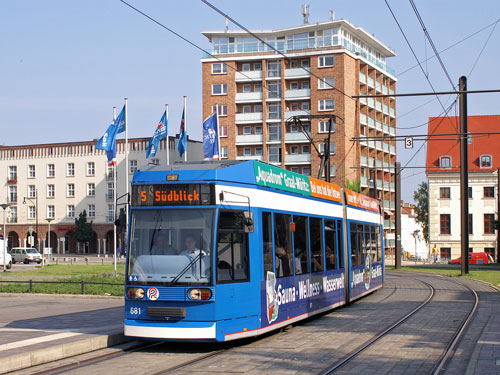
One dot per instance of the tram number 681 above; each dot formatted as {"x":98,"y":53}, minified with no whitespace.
{"x":135,"y":311}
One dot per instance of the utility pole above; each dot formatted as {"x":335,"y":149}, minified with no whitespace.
{"x":397,"y":234}
{"x":464,"y":176}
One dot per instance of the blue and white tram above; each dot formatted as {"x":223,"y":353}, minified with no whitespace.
{"x":224,"y":250}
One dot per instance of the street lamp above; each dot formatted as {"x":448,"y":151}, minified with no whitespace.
{"x":36,"y":212}
{"x":49,"y":219}
{"x":4,"y":206}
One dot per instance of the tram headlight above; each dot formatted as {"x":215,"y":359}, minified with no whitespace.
{"x":200,"y":294}
{"x":135,"y":293}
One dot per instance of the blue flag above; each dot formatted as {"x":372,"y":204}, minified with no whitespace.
{"x":182,"y":142}
{"x":108,"y":140}
{"x":159,"y":134}
{"x":120,"y":121}
{"x":210,"y":137}
{"x":111,"y":154}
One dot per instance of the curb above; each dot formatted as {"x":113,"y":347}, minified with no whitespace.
{"x":61,"y":351}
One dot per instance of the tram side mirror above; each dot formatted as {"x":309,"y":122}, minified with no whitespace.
{"x":248,"y":222}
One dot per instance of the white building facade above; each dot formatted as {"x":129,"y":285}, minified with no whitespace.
{"x":412,"y":237}
{"x":57,"y":182}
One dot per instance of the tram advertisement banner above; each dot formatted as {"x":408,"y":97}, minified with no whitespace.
{"x":274,"y":177}
{"x":325,"y":190}
{"x":362,"y":201}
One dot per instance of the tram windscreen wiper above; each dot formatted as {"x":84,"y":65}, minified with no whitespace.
{"x":183,"y":271}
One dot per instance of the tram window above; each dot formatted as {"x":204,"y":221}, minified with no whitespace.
{"x":301,"y":245}
{"x":340,"y":238}
{"x":267,"y":242}
{"x":316,"y":244}
{"x":283,"y":245}
{"x":377,"y":243}
{"x":354,"y":244}
{"x":330,"y":245}
{"x":361,"y":245}
{"x":232,"y":248}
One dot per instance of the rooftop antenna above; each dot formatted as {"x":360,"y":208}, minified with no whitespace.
{"x":331,"y":15}
{"x":305,"y":12}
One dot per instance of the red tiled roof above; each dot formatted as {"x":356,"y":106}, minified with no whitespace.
{"x":450,"y":144}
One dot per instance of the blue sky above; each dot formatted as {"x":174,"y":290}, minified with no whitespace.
{"x":65,"y":64}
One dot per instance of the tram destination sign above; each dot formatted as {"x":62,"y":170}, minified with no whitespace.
{"x":173,"y":195}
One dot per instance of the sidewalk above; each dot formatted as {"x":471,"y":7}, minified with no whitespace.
{"x":35,"y":329}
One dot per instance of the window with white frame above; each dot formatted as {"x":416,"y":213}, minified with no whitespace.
{"x":70,"y":169}
{"x":223,"y":152}
{"x":247,"y":130}
{"x":111,"y":213}
{"x":258,"y":130}
{"x":322,"y":148}
{"x":247,"y":151}
{"x":31,"y":191}
{"x":70,"y":211}
{"x":221,"y":109}
{"x":245,"y":67}
{"x":13,"y":172}
{"x":51,"y":191}
{"x":485,"y":161}
{"x":51,"y":170}
{"x":326,"y":61}
{"x":132,"y":166}
{"x":51,"y":212}
{"x":12,"y":214}
{"x":306,"y":171}
{"x":223,"y":131}
{"x":219,"y":89}
{"x":326,"y":83}
{"x":258,"y":151}
{"x":294,"y":85}
{"x":326,"y":105}
{"x":257,"y":108}
{"x":294,"y":169}
{"x":247,"y":109}
{"x":70,"y":190}
{"x":247,"y":88}
{"x":12,"y":193}
{"x":304,"y":85}
{"x":445,"y":162}
{"x":257,"y":87}
{"x":31,"y":212}
{"x":91,"y":210}
{"x":257,"y":66}
{"x":91,"y":189}
{"x":305,"y":106}
{"x":110,"y":191}
{"x":90,"y":168}
{"x":110,"y":171}
{"x":324,"y":125}
{"x":294,"y":150}
{"x":306,"y":149}
{"x":219,"y":68}
{"x":31,"y":171}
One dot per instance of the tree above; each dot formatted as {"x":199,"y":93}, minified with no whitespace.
{"x":83,"y":230}
{"x":421,"y":197}
{"x":355,"y":185}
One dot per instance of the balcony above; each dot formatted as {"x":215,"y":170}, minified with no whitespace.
{"x":298,"y":94}
{"x":299,"y":112}
{"x":296,"y":137}
{"x":297,"y":158}
{"x":248,"y":97}
{"x":249,"y":139}
{"x":12,"y":180}
{"x":297,"y":73}
{"x":248,"y":76}
{"x":250,"y":117}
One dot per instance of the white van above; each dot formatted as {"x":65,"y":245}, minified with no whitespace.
{"x":8,"y":257}
{"x":25,"y":255}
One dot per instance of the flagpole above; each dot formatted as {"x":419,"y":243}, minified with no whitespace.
{"x":166,"y":125}
{"x":218,"y":130}
{"x":126,"y":169}
{"x":185,"y":127}
{"x":114,"y":169}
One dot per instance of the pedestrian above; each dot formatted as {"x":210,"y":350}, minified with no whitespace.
{"x":435,"y":253}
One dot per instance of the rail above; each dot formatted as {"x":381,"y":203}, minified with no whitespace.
{"x":82,"y":283}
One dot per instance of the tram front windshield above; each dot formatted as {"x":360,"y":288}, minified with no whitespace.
{"x":170,"y":246}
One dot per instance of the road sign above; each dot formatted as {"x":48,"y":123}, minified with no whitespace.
{"x":408,"y":142}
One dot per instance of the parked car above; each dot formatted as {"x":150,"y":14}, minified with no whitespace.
{"x":474,"y":258}
{"x":8,"y":258}
{"x":25,"y":255}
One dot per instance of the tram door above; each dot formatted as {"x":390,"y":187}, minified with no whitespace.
{"x":233,"y":266}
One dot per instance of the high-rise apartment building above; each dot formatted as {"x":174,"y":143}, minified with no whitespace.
{"x":259,"y":81}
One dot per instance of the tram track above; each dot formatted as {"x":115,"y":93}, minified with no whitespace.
{"x":445,"y":356}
